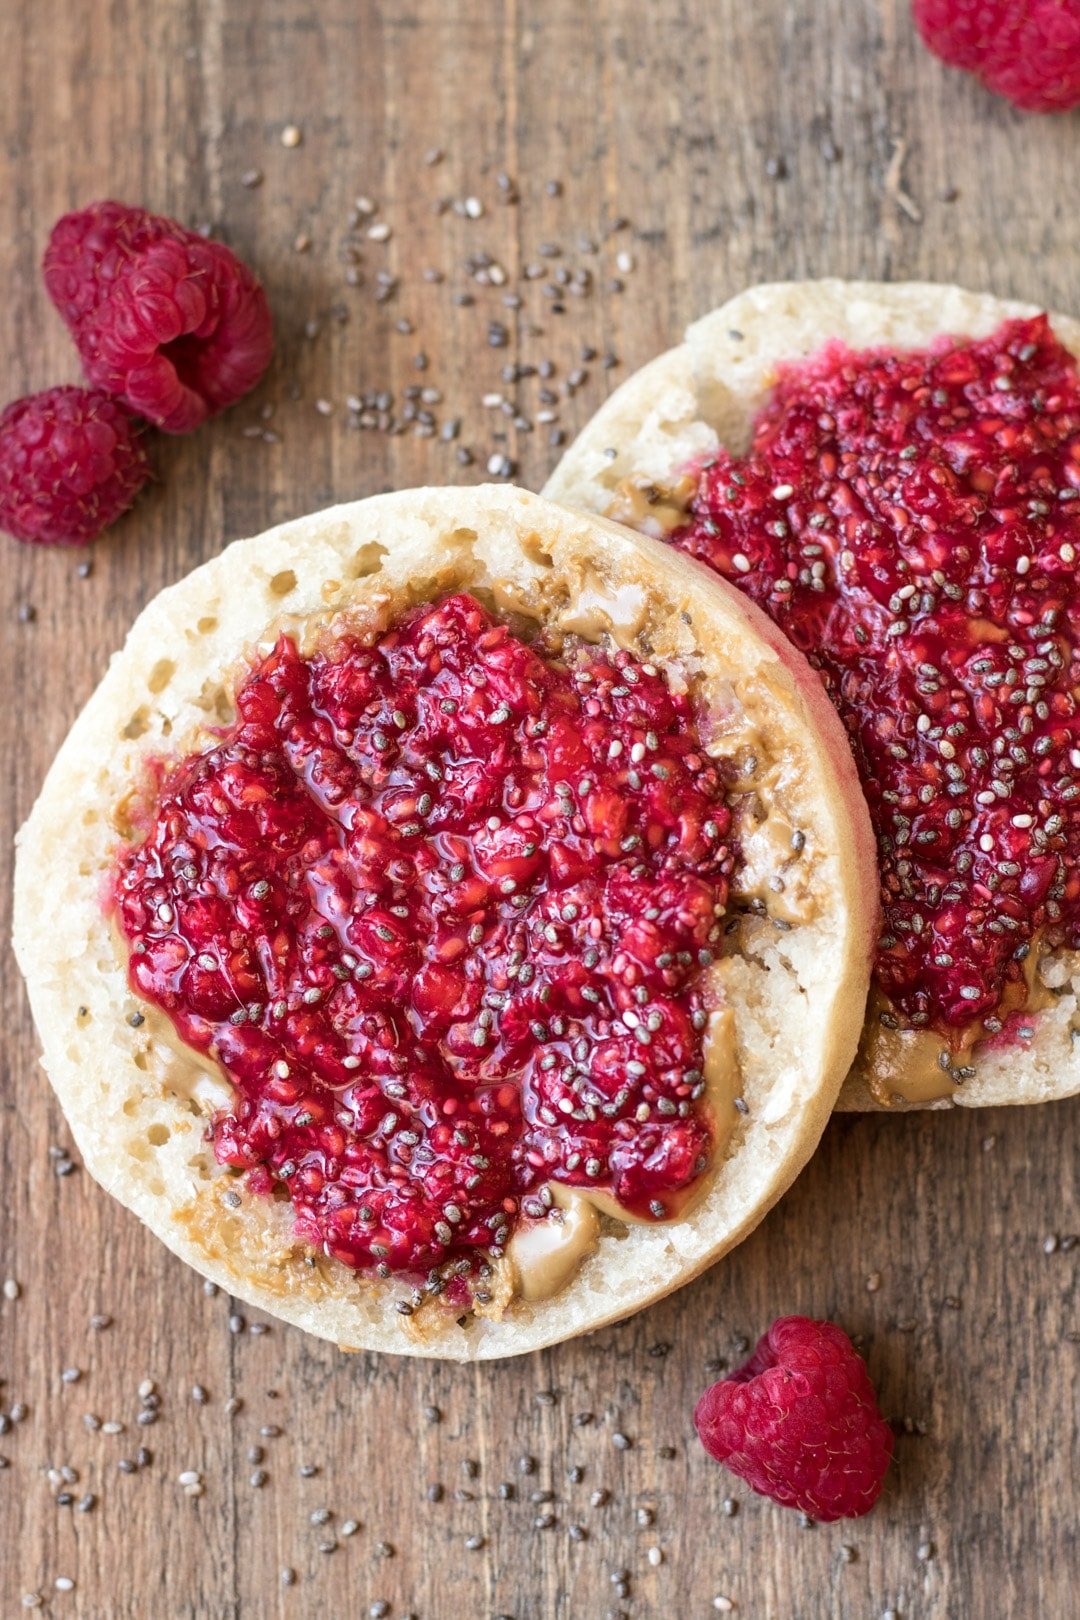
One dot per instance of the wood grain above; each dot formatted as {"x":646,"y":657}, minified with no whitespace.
{"x":741,"y":142}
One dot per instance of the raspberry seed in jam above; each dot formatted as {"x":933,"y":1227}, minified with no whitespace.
{"x":439,"y":906}
{"x":912,"y":522}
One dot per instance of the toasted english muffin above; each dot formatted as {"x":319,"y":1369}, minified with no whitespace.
{"x":791,"y":977}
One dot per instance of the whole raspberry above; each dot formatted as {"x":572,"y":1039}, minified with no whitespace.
{"x":70,"y":462}
{"x":800,"y":1423}
{"x":1027,"y":50}
{"x":174,"y":324}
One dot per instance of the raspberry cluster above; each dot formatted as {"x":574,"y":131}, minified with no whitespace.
{"x":170,"y":327}
{"x":1025,"y":50}
{"x":800,"y":1423}
{"x":71,"y":461}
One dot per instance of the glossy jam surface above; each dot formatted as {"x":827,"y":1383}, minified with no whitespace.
{"x":440,"y":906}
{"x":912,"y":522}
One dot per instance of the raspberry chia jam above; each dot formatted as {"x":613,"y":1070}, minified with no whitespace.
{"x":440,"y":907}
{"x":912,"y":522}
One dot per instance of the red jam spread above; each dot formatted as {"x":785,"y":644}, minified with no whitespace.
{"x":439,"y":906}
{"x":912,"y":522}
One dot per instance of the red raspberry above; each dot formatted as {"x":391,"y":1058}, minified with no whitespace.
{"x":171,"y":322}
{"x":800,"y":1423}
{"x":1027,"y":50}
{"x":70,"y":462}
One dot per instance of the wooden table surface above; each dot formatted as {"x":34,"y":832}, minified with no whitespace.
{"x":740,"y":140}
